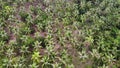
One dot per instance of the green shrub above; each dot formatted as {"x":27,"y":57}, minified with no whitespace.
{"x":60,"y":33}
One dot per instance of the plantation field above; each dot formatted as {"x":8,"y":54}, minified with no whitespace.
{"x":59,"y":33}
